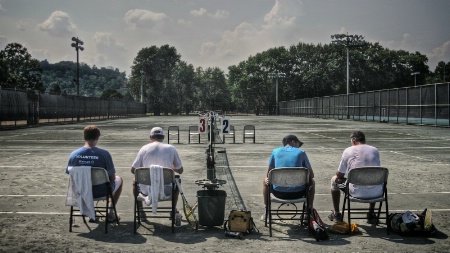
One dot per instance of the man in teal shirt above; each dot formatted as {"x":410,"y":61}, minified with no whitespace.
{"x":290,"y":155}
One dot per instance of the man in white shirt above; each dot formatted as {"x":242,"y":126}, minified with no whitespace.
{"x":358,"y":155}
{"x":158,"y":153}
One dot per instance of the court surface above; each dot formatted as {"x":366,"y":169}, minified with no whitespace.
{"x":33,"y":186}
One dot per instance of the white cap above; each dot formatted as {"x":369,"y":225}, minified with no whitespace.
{"x":157,"y":131}
{"x":409,"y":217}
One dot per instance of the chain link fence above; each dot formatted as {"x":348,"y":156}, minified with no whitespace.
{"x":21,"y":108}
{"x":422,"y":105}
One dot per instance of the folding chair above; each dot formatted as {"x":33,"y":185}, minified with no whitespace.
{"x":249,"y":132}
{"x":366,"y":176}
{"x":230,"y":135}
{"x":175,"y":131}
{"x":295,"y":176}
{"x":193,"y":130}
{"x":142,"y":176}
{"x":98,"y":176}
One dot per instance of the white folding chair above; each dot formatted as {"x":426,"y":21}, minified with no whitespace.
{"x":230,"y":135}
{"x":175,"y":131}
{"x":142,"y":176}
{"x":98,"y":176}
{"x":287,"y":177}
{"x":249,"y":133}
{"x":193,"y":130}
{"x":373,"y":175}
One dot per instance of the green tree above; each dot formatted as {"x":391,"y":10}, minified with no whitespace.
{"x":111,"y":94}
{"x":18,"y":69}
{"x":153,"y":69}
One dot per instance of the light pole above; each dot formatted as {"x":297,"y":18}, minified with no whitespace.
{"x":348,"y":41}
{"x":77,"y":44}
{"x":142,"y":86}
{"x":276,"y":74}
{"x":415,"y":74}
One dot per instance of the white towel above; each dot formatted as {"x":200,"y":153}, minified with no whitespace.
{"x":156,"y":187}
{"x":79,"y":192}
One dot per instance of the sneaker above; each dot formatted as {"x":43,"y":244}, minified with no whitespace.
{"x":335,"y":216}
{"x":141,"y":197}
{"x":372,"y":218}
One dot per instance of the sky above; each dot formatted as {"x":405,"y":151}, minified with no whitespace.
{"x":217,"y":33}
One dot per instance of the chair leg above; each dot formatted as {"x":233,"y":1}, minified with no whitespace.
{"x":349,"y":218}
{"x":71,"y":219}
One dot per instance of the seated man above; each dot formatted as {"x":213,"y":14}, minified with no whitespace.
{"x":91,"y":155}
{"x":358,"y":155}
{"x":290,"y":155}
{"x":157,"y":153}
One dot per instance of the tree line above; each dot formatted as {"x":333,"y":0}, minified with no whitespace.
{"x":172,"y":86}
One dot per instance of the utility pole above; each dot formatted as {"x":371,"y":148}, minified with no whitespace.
{"x":348,"y":41}
{"x":276,"y":74}
{"x":77,"y":44}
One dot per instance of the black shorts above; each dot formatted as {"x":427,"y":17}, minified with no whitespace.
{"x":288,"y":195}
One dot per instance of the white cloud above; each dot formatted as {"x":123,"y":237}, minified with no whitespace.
{"x":198,"y":13}
{"x":58,"y":24}
{"x":144,"y":18}
{"x":280,"y":27}
{"x":438,"y":54}
{"x":109,"y":50}
{"x":219,"y":14}
{"x":283,"y":13}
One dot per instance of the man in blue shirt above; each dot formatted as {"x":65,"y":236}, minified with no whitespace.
{"x":290,"y":155}
{"x":90,"y":155}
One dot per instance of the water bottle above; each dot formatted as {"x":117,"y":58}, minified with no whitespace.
{"x":178,"y":219}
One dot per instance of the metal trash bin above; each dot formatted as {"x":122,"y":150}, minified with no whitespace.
{"x":211,"y":207}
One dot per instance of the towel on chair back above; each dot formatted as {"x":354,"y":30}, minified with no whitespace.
{"x":79,"y":192}
{"x":156,"y":186}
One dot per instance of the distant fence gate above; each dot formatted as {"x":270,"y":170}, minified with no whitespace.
{"x":425,"y":104}
{"x":21,"y":108}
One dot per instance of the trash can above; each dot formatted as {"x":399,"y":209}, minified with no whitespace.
{"x":211,"y":207}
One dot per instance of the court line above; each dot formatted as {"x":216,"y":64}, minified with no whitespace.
{"x":67,"y":213}
{"x":317,"y":194}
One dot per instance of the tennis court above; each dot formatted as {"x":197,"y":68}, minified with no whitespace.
{"x":33,"y":185}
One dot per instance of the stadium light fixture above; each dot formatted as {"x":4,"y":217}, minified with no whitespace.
{"x":348,"y":41}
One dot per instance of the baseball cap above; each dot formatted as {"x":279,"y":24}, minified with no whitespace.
{"x":291,"y":137}
{"x":409,"y":217}
{"x":157,"y":131}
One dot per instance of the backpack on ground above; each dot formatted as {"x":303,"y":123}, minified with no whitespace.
{"x":411,"y":224}
{"x":317,"y":227}
{"x":240,"y":221}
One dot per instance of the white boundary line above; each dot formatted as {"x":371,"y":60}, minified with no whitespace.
{"x":317,"y":194}
{"x":67,"y":213}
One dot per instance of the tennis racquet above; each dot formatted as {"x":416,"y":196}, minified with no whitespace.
{"x":188,"y":210}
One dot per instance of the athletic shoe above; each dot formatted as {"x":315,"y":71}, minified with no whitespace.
{"x":141,"y":197}
{"x":335,"y":216}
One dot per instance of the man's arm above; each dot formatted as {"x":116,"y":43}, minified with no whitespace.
{"x":132,"y":170}
{"x":179,"y":171}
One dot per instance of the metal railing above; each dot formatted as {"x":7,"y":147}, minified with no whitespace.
{"x":425,"y":105}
